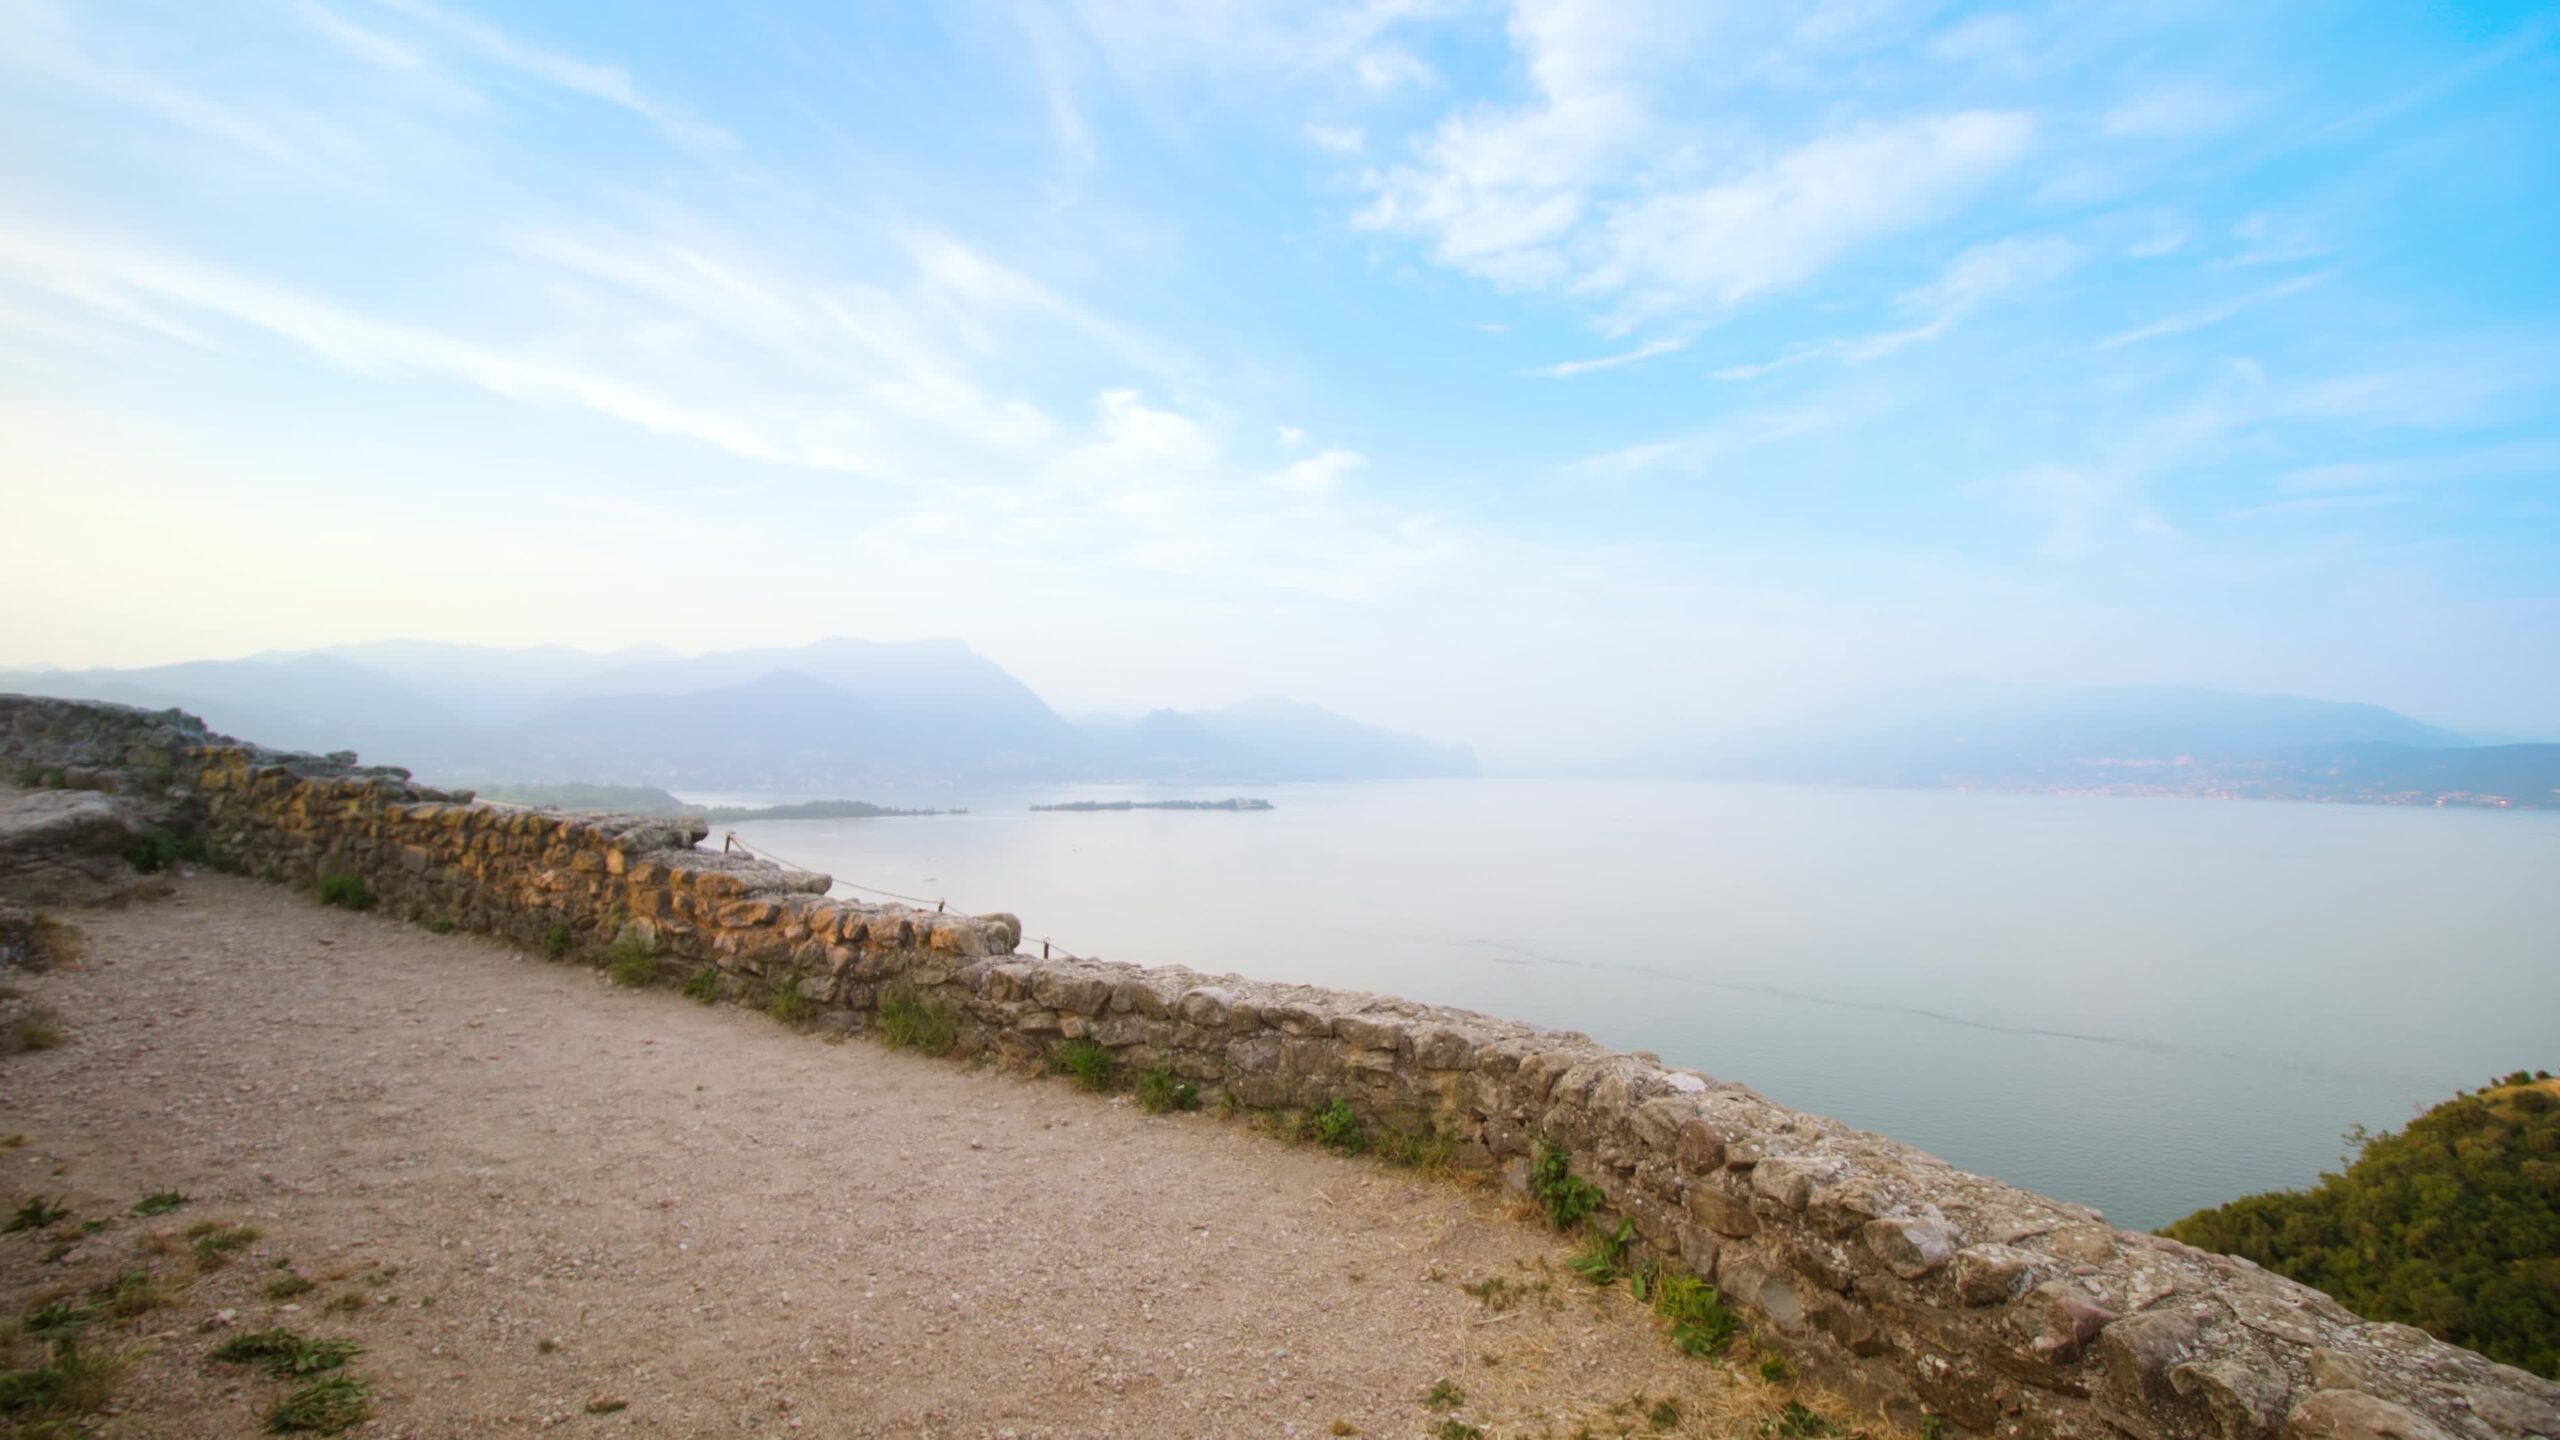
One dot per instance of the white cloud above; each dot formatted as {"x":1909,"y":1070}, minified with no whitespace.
{"x":1340,"y":139}
{"x":2522,"y":458}
{"x":1319,"y":474}
{"x":1647,"y":351}
{"x":607,"y":84}
{"x":1794,"y":217}
{"x":2185,"y":321}
{"x":1984,"y":273}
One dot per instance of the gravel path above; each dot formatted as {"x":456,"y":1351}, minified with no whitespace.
{"x":546,"y":1192}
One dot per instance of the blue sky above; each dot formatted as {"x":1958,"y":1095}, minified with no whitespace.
{"x":1545,"y":375}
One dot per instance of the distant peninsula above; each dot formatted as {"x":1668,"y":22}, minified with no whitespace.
{"x":650,"y":800}
{"x":1087,"y":807}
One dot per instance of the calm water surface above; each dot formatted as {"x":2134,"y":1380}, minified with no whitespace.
{"x":2147,"y":1005}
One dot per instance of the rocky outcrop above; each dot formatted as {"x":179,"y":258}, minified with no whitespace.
{"x":1885,"y":1273}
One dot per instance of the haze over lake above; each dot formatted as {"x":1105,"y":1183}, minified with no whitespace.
{"x":2146,"y":1005}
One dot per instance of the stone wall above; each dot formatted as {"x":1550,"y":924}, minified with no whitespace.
{"x":1883,"y":1273}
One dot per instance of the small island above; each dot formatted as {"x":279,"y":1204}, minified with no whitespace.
{"x":1087,"y":807}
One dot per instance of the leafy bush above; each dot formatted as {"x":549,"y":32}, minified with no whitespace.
{"x":1604,"y":1258}
{"x":1701,"y":1323}
{"x":1340,"y":1130}
{"x":157,"y":849}
{"x":1565,"y":1196}
{"x":1088,"y":1063}
{"x":909,"y":1022}
{"x":2452,"y":1225}
{"x":1160,"y":1090}
{"x":557,"y":940}
{"x":345,"y":891}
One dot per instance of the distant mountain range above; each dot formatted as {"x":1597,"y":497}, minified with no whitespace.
{"x":834,"y":716}
{"x":2149,"y":740}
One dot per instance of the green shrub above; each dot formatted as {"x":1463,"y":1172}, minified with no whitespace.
{"x":2452,"y":1225}
{"x":1089,"y":1063}
{"x":1565,"y":1196}
{"x":631,"y":963}
{"x":1604,"y":1256}
{"x":346,"y":891}
{"x":1701,"y":1323}
{"x":703,"y":984}
{"x":1339,"y":1129}
{"x":157,"y":849}
{"x":910,"y":1022}
{"x":557,"y":940}
{"x":1160,"y":1090}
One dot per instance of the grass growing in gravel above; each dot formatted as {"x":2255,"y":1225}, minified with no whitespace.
{"x":556,"y":940}
{"x":1445,"y":1395}
{"x":38,"y":1029}
{"x":631,"y":963}
{"x":1160,"y":1090}
{"x":286,"y":1286}
{"x":324,"y":1407}
{"x":133,"y":1292}
{"x":286,"y":1354}
{"x":36,"y":1212}
{"x":910,"y":1022}
{"x":159,"y":1202}
{"x":215,"y":1241}
{"x":346,"y":891}
{"x":73,"y":1381}
{"x":1088,"y":1063}
{"x":704,"y":985}
{"x":1427,"y":1151}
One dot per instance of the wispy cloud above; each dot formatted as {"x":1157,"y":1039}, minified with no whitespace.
{"x":1979,"y":275}
{"x":1647,"y":351}
{"x":2411,"y":472}
{"x":607,"y":84}
{"x":2186,"y":321}
{"x":2176,"y":112}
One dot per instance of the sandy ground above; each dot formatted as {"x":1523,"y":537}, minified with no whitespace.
{"x":545,"y":1191}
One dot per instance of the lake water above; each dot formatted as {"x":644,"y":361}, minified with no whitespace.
{"x":2146,"y":1005}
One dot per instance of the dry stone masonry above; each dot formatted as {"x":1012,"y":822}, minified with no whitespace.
{"x":1888,"y":1275}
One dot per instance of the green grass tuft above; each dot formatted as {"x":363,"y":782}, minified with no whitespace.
{"x":631,"y":963}
{"x":910,"y":1022}
{"x":346,"y":891}
{"x":1445,"y":1395}
{"x":703,"y":984}
{"x":790,"y":1006}
{"x":557,"y":939}
{"x":1088,"y":1063}
{"x":35,"y":1213}
{"x":285,"y":1354}
{"x":159,"y":1202}
{"x":1160,"y":1090}
{"x":324,"y":1407}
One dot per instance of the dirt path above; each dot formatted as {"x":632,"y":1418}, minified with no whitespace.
{"x":547,"y":1191}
